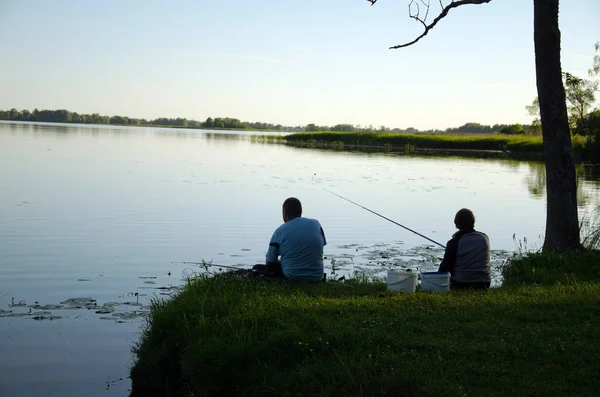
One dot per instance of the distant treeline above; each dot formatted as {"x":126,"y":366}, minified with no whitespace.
{"x":468,"y":128}
{"x":65,"y":116}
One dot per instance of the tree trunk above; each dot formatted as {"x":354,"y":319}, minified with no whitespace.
{"x":562,"y":222}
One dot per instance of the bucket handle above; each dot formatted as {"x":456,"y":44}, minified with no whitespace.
{"x":439,"y":285}
{"x":397,"y":282}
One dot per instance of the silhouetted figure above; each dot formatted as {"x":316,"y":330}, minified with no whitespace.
{"x":467,"y":255}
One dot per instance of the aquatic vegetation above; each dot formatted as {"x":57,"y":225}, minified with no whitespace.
{"x":376,"y":260}
{"x":590,"y":230}
{"x":118,"y":311}
{"x":79,"y":303}
{"x":472,"y":145}
{"x":34,"y":315}
{"x":411,"y":142}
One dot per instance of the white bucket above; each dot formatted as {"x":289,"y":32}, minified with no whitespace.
{"x":435,"y":281}
{"x":401,"y":281}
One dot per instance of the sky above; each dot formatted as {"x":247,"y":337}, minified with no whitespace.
{"x":286,"y":62}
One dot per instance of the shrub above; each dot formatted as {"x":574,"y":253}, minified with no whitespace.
{"x":515,"y":129}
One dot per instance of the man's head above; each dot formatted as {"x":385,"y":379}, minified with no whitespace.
{"x":464,"y":219}
{"x":292,"y":208}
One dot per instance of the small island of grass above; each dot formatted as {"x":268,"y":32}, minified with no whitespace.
{"x":496,"y":145}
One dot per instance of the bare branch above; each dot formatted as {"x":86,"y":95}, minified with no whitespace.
{"x":428,"y":8}
{"x":416,"y":16}
{"x":445,"y":10}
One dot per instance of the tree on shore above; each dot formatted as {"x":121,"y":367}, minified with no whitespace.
{"x":580,"y":96}
{"x":562,"y":221}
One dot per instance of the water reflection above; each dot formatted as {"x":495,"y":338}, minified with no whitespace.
{"x":536,"y":179}
{"x":587,"y":178}
{"x":65,"y":129}
{"x":588,"y":172}
{"x":101,"y":212}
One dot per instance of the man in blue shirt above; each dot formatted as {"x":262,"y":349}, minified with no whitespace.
{"x":299,"y":242}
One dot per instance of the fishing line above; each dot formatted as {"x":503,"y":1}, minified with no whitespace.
{"x":388,"y":219}
{"x":209,"y":264}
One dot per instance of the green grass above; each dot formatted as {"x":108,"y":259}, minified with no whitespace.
{"x":478,"y":145}
{"x":551,"y":269}
{"x":431,"y":141}
{"x":228,"y":336}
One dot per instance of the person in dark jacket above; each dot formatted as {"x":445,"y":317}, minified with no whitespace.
{"x":467,"y":255}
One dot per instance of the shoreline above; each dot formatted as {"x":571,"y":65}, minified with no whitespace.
{"x":483,"y":146}
{"x":497,"y":146}
{"x":422,"y":151}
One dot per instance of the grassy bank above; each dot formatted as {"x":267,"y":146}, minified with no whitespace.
{"x":441,"y":141}
{"x":234,"y":336}
{"x":555,"y":269}
{"x":515,"y":146}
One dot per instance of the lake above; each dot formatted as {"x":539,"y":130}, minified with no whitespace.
{"x":93,"y":217}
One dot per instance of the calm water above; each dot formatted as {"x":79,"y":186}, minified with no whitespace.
{"x":92,"y":216}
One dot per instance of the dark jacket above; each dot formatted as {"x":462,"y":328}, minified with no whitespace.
{"x":467,"y":257}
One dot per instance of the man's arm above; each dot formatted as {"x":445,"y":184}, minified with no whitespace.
{"x":449,"y":260}
{"x":323,"y":234}
{"x":272,"y":253}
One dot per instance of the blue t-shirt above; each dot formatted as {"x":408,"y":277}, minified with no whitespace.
{"x":300,"y":243}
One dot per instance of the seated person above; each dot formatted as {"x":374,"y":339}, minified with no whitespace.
{"x":467,"y":255}
{"x":299,"y":241}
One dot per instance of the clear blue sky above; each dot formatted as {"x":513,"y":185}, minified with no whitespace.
{"x":289,"y":62}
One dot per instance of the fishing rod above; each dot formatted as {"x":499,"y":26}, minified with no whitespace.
{"x":208,"y":264}
{"x":388,"y":219}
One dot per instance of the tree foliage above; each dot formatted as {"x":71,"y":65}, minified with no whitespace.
{"x":515,"y":129}
{"x":580,"y":95}
{"x":534,"y":110}
{"x":65,"y":116}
